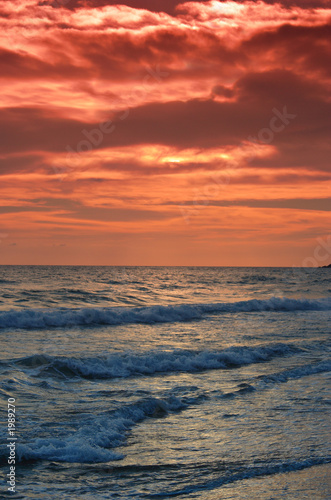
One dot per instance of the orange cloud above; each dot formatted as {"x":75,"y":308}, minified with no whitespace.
{"x":136,"y":126}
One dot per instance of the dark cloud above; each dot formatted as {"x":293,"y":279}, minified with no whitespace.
{"x":198,"y":123}
{"x":15,"y":164}
{"x":116,"y":214}
{"x":302,"y":47}
{"x":16,"y":65}
{"x":314,"y":155}
{"x":10,"y":209}
{"x":78,"y":211}
{"x":222,"y":91}
{"x":168,"y":6}
{"x":123,"y":55}
{"x":205,"y":123}
{"x":321,"y":204}
{"x":303,"y":4}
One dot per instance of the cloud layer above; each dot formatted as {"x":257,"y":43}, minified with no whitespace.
{"x":135,"y":134}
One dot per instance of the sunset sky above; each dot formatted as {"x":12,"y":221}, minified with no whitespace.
{"x":154,"y":132}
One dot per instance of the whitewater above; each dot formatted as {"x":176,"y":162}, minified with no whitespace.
{"x":161,"y":382}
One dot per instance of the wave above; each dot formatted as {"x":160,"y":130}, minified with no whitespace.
{"x":231,"y":475}
{"x":65,"y":317}
{"x":130,"y":364}
{"x":7,"y":282}
{"x":296,"y":373}
{"x":264,"y":381}
{"x":96,"y":437}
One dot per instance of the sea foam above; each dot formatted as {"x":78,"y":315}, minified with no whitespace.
{"x":96,"y":436}
{"x":65,"y":317}
{"x":129,"y":364}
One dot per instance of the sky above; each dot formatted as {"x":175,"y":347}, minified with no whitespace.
{"x":155,"y":132}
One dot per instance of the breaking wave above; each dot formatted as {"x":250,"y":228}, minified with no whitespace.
{"x":96,"y":437}
{"x":65,"y":317}
{"x":128,"y":364}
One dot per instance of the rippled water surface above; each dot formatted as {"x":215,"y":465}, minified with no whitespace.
{"x":155,"y":382}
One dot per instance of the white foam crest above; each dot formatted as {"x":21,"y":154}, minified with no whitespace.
{"x":298,"y":372}
{"x":95,"y":439}
{"x":128,"y":364}
{"x":65,"y":317}
{"x":263,"y":381}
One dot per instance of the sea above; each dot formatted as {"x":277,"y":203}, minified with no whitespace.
{"x":165,"y":382}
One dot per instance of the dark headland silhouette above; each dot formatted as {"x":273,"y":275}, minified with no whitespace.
{"x":323,"y":267}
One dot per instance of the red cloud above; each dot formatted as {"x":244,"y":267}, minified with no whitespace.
{"x":187,"y":87}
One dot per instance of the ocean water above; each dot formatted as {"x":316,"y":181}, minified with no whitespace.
{"x":166,"y":382}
